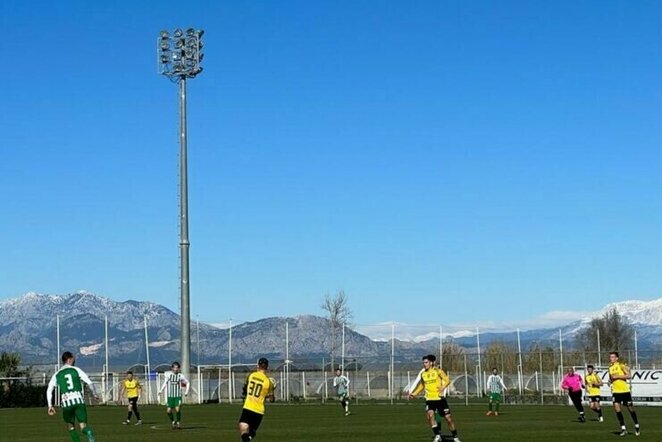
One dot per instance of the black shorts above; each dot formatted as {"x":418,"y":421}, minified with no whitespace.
{"x":623,"y":398}
{"x":251,"y":418}
{"x":133,"y":401}
{"x":440,"y":406}
{"x":594,"y":398}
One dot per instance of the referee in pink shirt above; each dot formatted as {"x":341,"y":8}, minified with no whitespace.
{"x":573,"y":384}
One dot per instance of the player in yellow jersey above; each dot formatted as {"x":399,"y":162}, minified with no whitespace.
{"x":619,"y":375}
{"x":434,"y":382}
{"x":257,"y":389}
{"x":131,"y":386}
{"x":593,"y":384}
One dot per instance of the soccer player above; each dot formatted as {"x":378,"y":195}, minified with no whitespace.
{"x":132,"y":387}
{"x":573,"y":384}
{"x":496,"y":387}
{"x":434,"y":381}
{"x":341,"y":384}
{"x":68,"y":379}
{"x":593,"y":384}
{"x":174,"y":381}
{"x":257,"y":388}
{"x":619,"y":374}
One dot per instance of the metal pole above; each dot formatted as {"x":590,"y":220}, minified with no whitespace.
{"x":392,"y":361}
{"x":480,"y":367}
{"x":57,"y":333}
{"x":197,"y":339}
{"x":542,"y":397}
{"x":599,"y":349}
{"x":636,"y":351}
{"x":342,"y":350}
{"x":105,"y":374}
{"x":287,"y":361}
{"x":521,"y":367}
{"x":441,"y":347}
{"x":466,"y":382}
{"x":561,"y":348}
{"x":149,"y":382}
{"x":230,"y":384}
{"x":183,"y":233}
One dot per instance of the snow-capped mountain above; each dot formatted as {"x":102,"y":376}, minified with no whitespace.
{"x":636,"y":312}
{"x":28,"y":326}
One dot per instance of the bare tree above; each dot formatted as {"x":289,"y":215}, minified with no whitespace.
{"x":615,"y":334}
{"x":338,"y":311}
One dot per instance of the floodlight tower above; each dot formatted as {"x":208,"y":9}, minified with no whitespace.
{"x":179,"y":57}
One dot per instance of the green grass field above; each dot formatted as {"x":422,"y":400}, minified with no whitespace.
{"x":312,"y":423}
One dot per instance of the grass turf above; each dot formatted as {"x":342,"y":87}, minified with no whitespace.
{"x":368,"y":423}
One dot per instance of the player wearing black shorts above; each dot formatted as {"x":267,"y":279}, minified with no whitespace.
{"x":619,"y":374}
{"x":434,"y":381}
{"x":257,"y":388}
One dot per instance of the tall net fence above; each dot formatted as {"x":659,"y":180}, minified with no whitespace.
{"x":381,"y":368}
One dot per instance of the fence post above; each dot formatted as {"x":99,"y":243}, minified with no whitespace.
{"x":466,"y":382}
{"x":199,"y":386}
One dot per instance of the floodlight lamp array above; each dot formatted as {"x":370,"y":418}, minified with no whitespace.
{"x":180,"y":53}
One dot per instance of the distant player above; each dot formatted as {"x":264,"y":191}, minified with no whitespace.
{"x":573,"y":385}
{"x":132,"y":388}
{"x":341,"y":384}
{"x":68,"y":379}
{"x":434,"y":381}
{"x":257,"y":388}
{"x":173,"y":383}
{"x":619,"y":374}
{"x":593,"y":384}
{"x":496,"y":388}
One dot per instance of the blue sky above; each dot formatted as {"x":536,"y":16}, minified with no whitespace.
{"x":482,"y":160}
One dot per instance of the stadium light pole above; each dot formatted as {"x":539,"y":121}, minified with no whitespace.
{"x":178,"y":58}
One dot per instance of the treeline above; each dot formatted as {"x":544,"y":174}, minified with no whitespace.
{"x":16,"y":389}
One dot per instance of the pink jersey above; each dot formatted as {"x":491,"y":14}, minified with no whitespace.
{"x":572,"y":382}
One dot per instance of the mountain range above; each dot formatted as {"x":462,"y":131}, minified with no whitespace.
{"x":28,"y":326}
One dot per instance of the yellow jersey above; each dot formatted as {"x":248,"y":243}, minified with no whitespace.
{"x":258,"y":388}
{"x":132,"y":388}
{"x":434,"y":381}
{"x":592,"y":384}
{"x":619,"y":385}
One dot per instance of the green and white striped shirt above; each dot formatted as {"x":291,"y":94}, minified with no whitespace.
{"x":68,"y":380}
{"x":173,"y":383}
{"x":495,"y":384}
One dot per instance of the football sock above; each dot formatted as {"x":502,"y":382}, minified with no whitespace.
{"x":251,"y":433}
{"x":435,"y":430}
{"x":599,"y":410}
{"x":497,"y":406}
{"x":490,"y":406}
{"x":245,"y":437}
{"x":454,"y":433}
{"x":88,"y":432}
{"x":179,"y":416}
{"x":634,"y":417}
{"x":74,"y":435}
{"x":619,"y":415}
{"x":128,"y":416}
{"x":171,"y":417}
{"x":137,"y":413}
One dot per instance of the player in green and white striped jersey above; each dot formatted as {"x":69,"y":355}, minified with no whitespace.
{"x":173,"y":383}
{"x":68,"y":380}
{"x":496,"y":388}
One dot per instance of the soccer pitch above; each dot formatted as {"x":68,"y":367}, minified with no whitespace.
{"x":311,"y":423}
